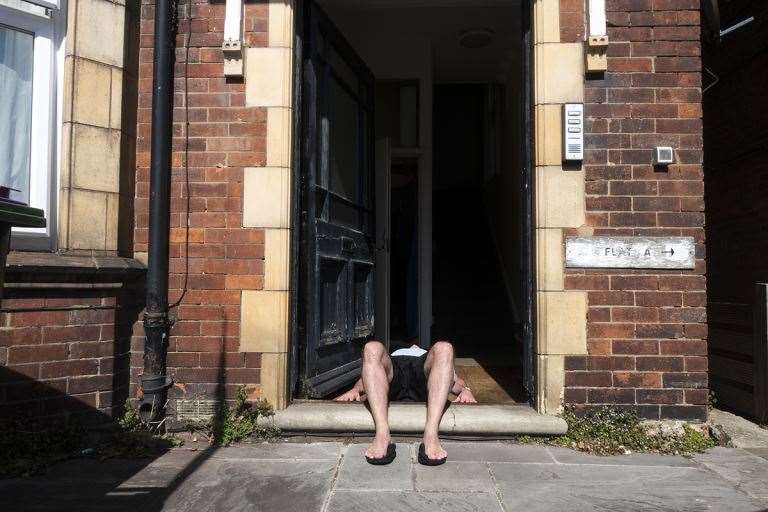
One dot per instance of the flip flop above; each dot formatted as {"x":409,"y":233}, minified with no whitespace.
{"x":386,"y":459}
{"x":426,"y":461}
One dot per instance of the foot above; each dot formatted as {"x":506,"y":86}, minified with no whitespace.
{"x":433,"y":448}
{"x":378,"y":447}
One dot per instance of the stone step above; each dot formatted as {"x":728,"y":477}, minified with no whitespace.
{"x":322,"y":416}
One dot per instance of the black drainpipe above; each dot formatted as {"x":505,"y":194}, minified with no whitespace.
{"x":154,"y":382}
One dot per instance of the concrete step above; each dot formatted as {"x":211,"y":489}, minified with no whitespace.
{"x":321,"y":416}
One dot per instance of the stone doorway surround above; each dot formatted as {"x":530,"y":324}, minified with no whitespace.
{"x":558,"y":72}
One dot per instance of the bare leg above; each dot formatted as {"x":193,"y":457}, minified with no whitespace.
{"x":439,"y":370}
{"x":377,"y":374}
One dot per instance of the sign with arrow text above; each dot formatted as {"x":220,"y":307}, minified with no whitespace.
{"x":663,"y":252}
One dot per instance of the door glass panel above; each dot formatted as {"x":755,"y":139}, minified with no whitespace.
{"x":342,"y":69}
{"x":333,"y":300}
{"x":365,"y":160}
{"x":16,"y":63}
{"x":363,"y":290}
{"x":344,"y":142}
{"x":343,"y":213}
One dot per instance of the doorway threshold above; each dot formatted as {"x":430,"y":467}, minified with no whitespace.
{"x":480,"y":420}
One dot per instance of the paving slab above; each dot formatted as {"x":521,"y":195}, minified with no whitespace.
{"x":568,"y":456}
{"x":254,"y":485}
{"x":344,"y":501}
{"x":495,"y":452}
{"x":161,"y":473}
{"x":760,"y":452}
{"x":745,"y":470}
{"x":274,"y":477}
{"x":356,"y":474}
{"x":454,"y":476}
{"x":281,"y":451}
{"x":535,"y":488}
{"x":743,"y":433}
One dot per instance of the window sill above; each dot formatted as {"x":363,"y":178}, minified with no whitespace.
{"x":24,"y":268}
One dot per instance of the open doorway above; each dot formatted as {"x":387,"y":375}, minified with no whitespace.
{"x":473,"y":303}
{"x":437,"y":229}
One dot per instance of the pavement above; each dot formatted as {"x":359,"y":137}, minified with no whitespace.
{"x":334,"y":477}
{"x":742,"y":432}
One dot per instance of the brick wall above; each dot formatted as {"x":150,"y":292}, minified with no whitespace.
{"x":646,"y":330}
{"x":222,"y":258}
{"x":64,"y":353}
{"x":572,"y":21}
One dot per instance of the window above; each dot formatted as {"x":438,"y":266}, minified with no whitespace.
{"x":27,"y":112}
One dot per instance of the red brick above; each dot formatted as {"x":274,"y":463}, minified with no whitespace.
{"x":633,"y":314}
{"x":71,"y":333}
{"x":40,"y":353}
{"x":38,"y":318}
{"x":696,"y":396}
{"x":659,"y":396}
{"x":662,"y":363}
{"x":612,"y":330}
{"x":183,"y":359}
{"x":598,"y":347}
{"x":614,"y":298}
{"x":575,"y":363}
{"x":595,"y":362}
{"x":610,"y":396}
{"x":636,"y":380}
{"x":588,"y":379}
{"x":252,"y":360}
{"x":20,"y":336}
{"x":658,"y":298}
{"x":629,"y":64}
{"x":74,"y":368}
{"x":685,"y":380}
{"x":657,"y":330}
{"x":635,"y":347}
{"x":634,"y":282}
{"x":89,"y":384}
{"x":222,"y":360}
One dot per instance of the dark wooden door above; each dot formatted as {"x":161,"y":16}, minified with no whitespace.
{"x":337,"y":283}
{"x":525,"y":199}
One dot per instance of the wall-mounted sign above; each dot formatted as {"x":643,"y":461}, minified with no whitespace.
{"x":630,"y":252}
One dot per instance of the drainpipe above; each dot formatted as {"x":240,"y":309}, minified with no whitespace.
{"x":154,"y":382}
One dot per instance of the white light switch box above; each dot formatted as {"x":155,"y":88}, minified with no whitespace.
{"x":663,"y":155}
{"x":573,"y":132}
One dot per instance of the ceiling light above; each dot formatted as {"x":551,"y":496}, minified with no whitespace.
{"x":476,"y":38}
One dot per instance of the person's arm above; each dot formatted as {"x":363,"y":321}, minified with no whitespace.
{"x":461,"y":390}
{"x":356,"y":394}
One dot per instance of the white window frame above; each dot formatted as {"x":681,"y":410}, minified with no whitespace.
{"x":44,"y":135}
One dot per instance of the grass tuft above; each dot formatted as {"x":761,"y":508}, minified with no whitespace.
{"x":238,"y":422}
{"x":612,"y":431}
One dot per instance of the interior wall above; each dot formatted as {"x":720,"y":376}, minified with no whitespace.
{"x":459,"y":135}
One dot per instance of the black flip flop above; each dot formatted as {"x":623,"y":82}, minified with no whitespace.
{"x":386,"y":459}
{"x":426,"y":461}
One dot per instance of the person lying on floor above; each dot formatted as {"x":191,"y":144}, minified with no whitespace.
{"x":410,"y":374}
